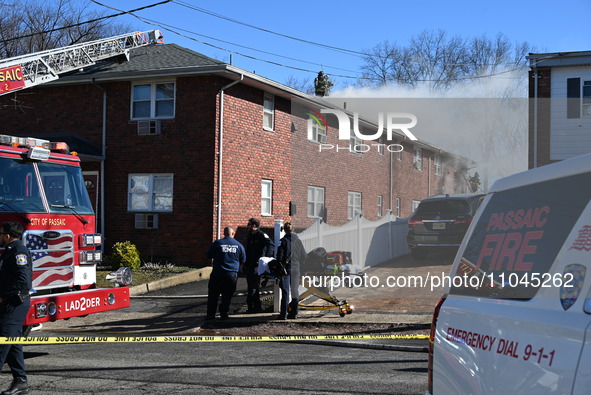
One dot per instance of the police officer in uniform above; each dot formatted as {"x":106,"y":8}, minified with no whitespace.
{"x":227,"y":254}
{"x":258,"y":245}
{"x":15,"y":283}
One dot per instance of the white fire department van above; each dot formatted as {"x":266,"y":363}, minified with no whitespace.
{"x":516,"y":314}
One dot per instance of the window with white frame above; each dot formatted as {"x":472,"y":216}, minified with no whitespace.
{"x":355,"y":143}
{"x":266,"y":197}
{"x":150,"y":192}
{"x":315,"y":202}
{"x":353,"y":204}
{"x":415,"y":204}
{"x":268,"y":112}
{"x":398,"y":206}
{"x":418,"y":159}
{"x":380,"y":205}
{"x":437,"y":165}
{"x":318,"y":131}
{"x":381,"y":143}
{"x":153,"y":100}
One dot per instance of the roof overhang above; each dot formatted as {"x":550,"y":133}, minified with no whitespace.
{"x":234,"y":73}
{"x":559,"y":59}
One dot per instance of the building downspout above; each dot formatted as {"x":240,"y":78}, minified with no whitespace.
{"x":429,"y":177}
{"x":104,"y":156}
{"x":391,"y":184}
{"x":221,"y":155}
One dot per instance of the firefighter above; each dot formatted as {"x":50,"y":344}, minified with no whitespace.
{"x":15,"y":283}
{"x":227,"y":254}
{"x":292,"y":253}
{"x":258,"y":245}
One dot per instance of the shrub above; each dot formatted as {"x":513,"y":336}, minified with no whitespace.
{"x":125,"y":254}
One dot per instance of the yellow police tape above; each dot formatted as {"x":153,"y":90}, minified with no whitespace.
{"x":192,"y":339}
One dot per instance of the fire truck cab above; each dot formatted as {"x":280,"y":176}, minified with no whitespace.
{"x":41,"y":186}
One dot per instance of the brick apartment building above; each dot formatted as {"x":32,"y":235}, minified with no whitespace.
{"x":151,"y":132}
{"x":560,"y":106}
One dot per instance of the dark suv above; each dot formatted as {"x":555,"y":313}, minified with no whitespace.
{"x":441,"y":221}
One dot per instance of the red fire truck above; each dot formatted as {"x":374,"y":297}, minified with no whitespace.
{"x":41,"y":186}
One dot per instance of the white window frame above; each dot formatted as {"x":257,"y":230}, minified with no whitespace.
{"x":315,"y":207}
{"x":266,"y":197}
{"x":152,"y":195}
{"x":381,"y":143}
{"x":418,"y":159}
{"x":380,"y":206}
{"x":269,"y":112}
{"x":398,"y":206}
{"x":354,"y":204}
{"x":437,"y":164}
{"x":355,"y":141}
{"x":415,"y":204}
{"x":318,"y":132}
{"x":153,"y":100}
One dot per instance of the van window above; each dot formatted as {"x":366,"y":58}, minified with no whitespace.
{"x":518,"y":236}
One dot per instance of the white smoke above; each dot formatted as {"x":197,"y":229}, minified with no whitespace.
{"x":484,"y":119}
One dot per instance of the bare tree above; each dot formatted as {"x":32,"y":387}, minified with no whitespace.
{"x":302,"y":85}
{"x":435,"y":59}
{"x":30,"y":26}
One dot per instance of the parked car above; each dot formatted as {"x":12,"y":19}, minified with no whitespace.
{"x":515,"y":317}
{"x":441,"y":221}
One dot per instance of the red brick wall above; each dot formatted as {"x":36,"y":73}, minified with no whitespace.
{"x":188,"y":149}
{"x":251,"y":154}
{"x":368,"y":173}
{"x":185,"y":148}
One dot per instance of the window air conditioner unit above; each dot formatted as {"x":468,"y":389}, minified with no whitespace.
{"x":146,"y":128}
{"x":146,"y":221}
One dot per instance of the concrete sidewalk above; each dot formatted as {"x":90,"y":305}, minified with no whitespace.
{"x":395,"y":292}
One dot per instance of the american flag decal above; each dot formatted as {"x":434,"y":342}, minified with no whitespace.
{"x":583,"y":241}
{"x":53,"y":259}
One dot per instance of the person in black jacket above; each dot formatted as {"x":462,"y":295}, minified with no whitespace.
{"x":292,"y":253}
{"x":258,"y":245}
{"x":15,"y":284}
{"x":227,"y":254}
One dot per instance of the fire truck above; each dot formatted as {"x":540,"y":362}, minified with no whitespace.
{"x":41,"y":187}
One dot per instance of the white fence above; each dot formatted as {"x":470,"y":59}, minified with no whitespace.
{"x":370,"y":242}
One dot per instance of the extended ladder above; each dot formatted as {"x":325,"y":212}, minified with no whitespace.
{"x":25,"y":71}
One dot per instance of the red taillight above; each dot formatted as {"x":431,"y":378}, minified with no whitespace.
{"x":413,"y":222}
{"x":466,"y":221}
{"x":432,"y":344}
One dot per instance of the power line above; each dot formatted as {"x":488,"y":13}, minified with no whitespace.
{"x":203,"y":10}
{"x":85,"y":22}
{"x":173,"y":29}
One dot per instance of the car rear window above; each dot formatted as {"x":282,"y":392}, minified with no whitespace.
{"x":518,"y":236}
{"x":442,"y":208}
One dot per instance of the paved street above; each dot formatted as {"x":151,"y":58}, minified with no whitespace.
{"x":348,"y":367}
{"x":230,"y":368}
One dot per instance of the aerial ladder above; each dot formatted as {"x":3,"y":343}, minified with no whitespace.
{"x":38,"y":68}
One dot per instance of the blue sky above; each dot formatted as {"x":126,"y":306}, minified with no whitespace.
{"x":549,"y":26}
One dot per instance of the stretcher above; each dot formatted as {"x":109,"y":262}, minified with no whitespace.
{"x":322,"y":263}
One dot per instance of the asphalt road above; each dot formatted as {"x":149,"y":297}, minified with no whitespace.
{"x":229,"y":368}
{"x":213,"y":368}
